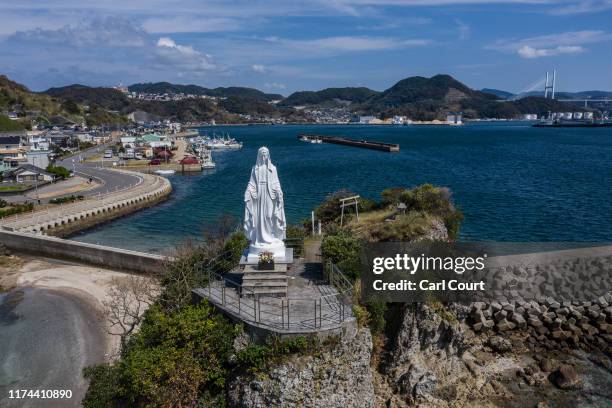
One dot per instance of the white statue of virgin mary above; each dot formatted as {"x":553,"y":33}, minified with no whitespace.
{"x":264,"y":213}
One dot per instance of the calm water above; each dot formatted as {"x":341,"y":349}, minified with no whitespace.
{"x":513,"y":182}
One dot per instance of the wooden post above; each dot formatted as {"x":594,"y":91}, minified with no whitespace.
{"x":313,"y":224}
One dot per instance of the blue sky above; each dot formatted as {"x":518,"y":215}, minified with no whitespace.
{"x":284,"y":46}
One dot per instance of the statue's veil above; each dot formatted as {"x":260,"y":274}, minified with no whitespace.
{"x":260,"y":160}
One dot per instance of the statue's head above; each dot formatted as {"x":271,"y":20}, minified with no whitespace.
{"x":263,"y":156}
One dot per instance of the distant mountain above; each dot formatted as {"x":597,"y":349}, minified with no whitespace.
{"x":329,"y":96}
{"x":167,"y":87}
{"x":439,"y":88}
{"x":107,"y":98}
{"x":500,"y":94}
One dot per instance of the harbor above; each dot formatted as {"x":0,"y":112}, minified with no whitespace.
{"x":366,"y":144}
{"x":450,"y":156}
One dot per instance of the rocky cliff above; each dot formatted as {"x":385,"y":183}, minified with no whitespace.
{"x":432,"y":358}
{"x":340,"y":376}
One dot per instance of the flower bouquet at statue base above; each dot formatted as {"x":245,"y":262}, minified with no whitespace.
{"x":266,"y":261}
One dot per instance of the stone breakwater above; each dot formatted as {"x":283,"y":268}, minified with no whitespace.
{"x":66,"y":219}
{"x":578,"y":324}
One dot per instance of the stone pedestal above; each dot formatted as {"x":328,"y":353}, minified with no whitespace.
{"x":257,"y":282}
{"x":278,"y":249}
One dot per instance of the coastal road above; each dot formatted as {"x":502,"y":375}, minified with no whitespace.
{"x":47,"y":337}
{"x":109,"y":180}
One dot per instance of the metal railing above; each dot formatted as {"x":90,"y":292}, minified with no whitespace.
{"x":328,"y":309}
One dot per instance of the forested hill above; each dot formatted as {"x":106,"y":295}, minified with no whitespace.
{"x":329,"y":96}
{"x":108,"y":98}
{"x":46,"y":108}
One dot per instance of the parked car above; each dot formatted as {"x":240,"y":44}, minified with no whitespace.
{"x":155,"y":162}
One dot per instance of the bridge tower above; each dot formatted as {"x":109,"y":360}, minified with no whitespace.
{"x":551,"y":86}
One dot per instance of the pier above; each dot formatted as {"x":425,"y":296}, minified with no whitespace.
{"x":366,"y":144}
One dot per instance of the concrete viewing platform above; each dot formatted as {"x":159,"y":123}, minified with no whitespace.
{"x":307,"y":302}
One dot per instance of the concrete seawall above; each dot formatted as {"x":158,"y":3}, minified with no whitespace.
{"x":67,"y":219}
{"x":98,"y":255}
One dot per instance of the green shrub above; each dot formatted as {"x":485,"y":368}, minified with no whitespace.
{"x":177,"y":355}
{"x":377,"y":316}
{"x":16,"y":209}
{"x":329,"y":210}
{"x":181,"y":275}
{"x":59,"y":171}
{"x":365,"y":205}
{"x":256,"y":358}
{"x":67,"y":199}
{"x":342,"y":248}
{"x":452,"y":221}
{"x":231,"y":252}
{"x":295,"y":235}
{"x":104,"y":388}
{"x":3,"y":203}
{"x":392,"y":196}
{"x":361,"y":314}
{"x":434,"y":200}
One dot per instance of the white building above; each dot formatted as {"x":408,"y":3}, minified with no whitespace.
{"x":39,"y":143}
{"x":38,"y":158}
{"x":454,"y":119}
{"x":28,"y":173}
{"x":128,"y":141}
{"x":398,"y":120}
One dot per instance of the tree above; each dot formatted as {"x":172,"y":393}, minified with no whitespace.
{"x":128,"y":298}
{"x":59,"y":171}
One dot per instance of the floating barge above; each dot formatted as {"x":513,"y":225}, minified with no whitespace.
{"x":386,"y":147}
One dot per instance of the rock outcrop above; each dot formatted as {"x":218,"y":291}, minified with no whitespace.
{"x":337,"y":377}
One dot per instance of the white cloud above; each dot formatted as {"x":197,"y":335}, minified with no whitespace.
{"x":259,"y":68}
{"x":275,"y":85}
{"x":583,"y":7}
{"x":570,"y":42}
{"x":192,"y":24}
{"x":183,"y":57}
{"x":463,"y":29}
{"x":346,"y":44}
{"x":110,"y":31}
{"x":529,"y":52}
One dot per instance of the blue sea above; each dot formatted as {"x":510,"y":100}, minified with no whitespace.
{"x":513,"y":182}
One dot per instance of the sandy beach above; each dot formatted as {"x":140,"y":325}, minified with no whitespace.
{"x":52,"y":325}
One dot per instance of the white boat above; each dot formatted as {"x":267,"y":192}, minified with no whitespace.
{"x":163,"y":172}
{"x":221,"y":143}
